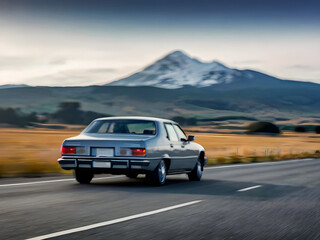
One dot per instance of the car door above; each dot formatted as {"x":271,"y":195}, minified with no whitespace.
{"x":188,"y":154}
{"x":174,"y":146}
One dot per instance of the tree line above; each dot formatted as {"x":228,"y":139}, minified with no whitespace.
{"x":71,"y":113}
{"x":268,"y":127}
{"x":16,"y":117}
{"x":67,"y":113}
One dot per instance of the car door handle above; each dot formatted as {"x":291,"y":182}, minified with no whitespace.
{"x":182,"y":146}
{"x":171,"y":145}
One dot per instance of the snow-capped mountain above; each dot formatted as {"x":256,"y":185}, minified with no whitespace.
{"x":178,"y":69}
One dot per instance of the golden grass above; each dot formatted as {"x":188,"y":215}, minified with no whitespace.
{"x":32,"y":151}
{"x":229,"y":148}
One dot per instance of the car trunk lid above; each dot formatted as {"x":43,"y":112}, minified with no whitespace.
{"x":106,"y":145}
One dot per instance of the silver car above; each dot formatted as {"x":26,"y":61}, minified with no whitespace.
{"x":131,"y":146}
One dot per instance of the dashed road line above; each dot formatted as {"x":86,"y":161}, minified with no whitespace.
{"x":261,"y":164}
{"x":53,"y":181}
{"x":249,"y":188}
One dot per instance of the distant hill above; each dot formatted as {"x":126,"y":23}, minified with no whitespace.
{"x":178,"y":85}
{"x":13,"y":86}
{"x":284,"y":102}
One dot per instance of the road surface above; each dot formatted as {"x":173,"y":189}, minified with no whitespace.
{"x":277,"y":200}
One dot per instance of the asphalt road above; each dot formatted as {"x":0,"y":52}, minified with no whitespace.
{"x":278,"y":200}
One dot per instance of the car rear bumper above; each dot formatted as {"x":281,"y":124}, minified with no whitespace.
{"x":109,"y":165}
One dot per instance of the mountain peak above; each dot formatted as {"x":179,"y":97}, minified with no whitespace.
{"x":177,"y":53}
{"x":177,"y":69}
{"x":173,"y":61}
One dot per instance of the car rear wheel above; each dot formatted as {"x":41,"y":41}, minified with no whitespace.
{"x":132,"y":175}
{"x":196,"y":173}
{"x":83,"y":176}
{"x":158,"y":176}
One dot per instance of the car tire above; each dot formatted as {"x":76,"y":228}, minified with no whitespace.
{"x":196,"y":173}
{"x":158,"y":176}
{"x":83,"y":176}
{"x":132,"y":175}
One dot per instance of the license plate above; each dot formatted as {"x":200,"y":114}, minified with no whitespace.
{"x":101,"y":164}
{"x":105,"y":152}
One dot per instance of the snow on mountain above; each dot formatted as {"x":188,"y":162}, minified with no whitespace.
{"x":178,"y":69}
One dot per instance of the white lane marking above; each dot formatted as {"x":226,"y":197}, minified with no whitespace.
{"x":262,"y":163}
{"x":249,"y":188}
{"x":207,"y":168}
{"x":106,"y":223}
{"x":52,"y":181}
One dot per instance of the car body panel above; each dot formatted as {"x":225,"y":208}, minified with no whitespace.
{"x":182,"y":157}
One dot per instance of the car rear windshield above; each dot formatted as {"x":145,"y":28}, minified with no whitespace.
{"x":122,"y":126}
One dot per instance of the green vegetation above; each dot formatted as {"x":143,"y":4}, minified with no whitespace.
{"x":263,"y":127}
{"x":300,"y":129}
{"x":226,"y":118}
{"x":185,"y":121}
{"x":70,"y":113}
{"x":317,"y":129}
{"x":307,"y":128}
{"x":16,"y":117}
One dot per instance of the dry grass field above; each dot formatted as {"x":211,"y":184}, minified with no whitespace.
{"x":26,"y":152}
{"x":31,"y":151}
{"x":231,"y":148}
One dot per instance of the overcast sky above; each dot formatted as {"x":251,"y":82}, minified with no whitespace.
{"x":77,"y":42}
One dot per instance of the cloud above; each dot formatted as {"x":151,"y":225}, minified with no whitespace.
{"x":252,"y":61}
{"x":304,"y":67}
{"x":75,"y":77}
{"x":16,"y":62}
{"x":58,"y":61}
{"x":303,"y":72}
{"x":101,"y":70}
{"x":10,"y":61}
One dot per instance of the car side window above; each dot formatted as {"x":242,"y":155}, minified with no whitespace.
{"x":180,"y":132}
{"x":171,"y":133}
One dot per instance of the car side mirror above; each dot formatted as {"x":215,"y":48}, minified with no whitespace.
{"x":190,"y":138}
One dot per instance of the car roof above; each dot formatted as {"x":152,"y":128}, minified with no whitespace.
{"x":137,"y":118}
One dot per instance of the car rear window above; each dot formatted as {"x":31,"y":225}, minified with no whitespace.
{"x":122,"y":126}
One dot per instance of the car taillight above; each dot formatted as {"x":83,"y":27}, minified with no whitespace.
{"x":68,"y":150}
{"x":138,"y":151}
